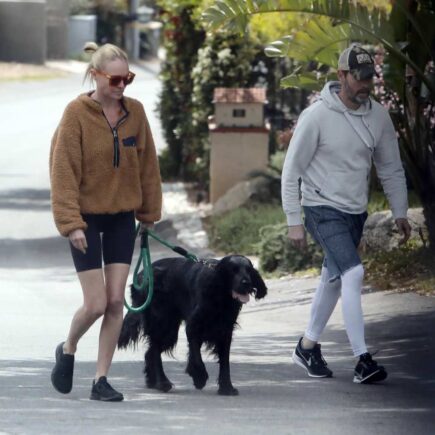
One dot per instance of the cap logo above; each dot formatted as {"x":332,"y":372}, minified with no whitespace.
{"x":363,"y":58}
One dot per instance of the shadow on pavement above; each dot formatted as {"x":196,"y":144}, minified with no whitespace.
{"x":25,"y":199}
{"x":52,"y":252}
{"x":272,"y":397}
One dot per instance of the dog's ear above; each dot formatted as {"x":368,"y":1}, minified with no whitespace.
{"x":222,"y":268}
{"x":258,"y":284}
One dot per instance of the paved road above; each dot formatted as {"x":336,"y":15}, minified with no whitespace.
{"x":39,"y":293}
{"x":275,"y":396}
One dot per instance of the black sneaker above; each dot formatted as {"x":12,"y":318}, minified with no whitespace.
{"x":368,"y":371}
{"x":102,"y":390}
{"x":63,"y":370}
{"x":312,"y":361}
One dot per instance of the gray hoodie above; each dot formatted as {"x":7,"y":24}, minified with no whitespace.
{"x":332,"y":150}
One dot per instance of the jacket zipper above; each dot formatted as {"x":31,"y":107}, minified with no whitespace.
{"x":114,"y":131}
{"x":115,"y":148}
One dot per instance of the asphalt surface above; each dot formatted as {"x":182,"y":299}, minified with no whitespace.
{"x":39,"y":294}
{"x":275,"y":395}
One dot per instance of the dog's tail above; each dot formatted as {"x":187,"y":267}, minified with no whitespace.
{"x":132,"y":330}
{"x":133,"y":325}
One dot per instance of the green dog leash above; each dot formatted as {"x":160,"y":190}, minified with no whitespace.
{"x":144,"y":281}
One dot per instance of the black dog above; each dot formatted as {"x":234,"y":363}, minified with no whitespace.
{"x":208,"y":296}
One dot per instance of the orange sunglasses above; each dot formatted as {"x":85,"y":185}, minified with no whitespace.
{"x":116,"y":80}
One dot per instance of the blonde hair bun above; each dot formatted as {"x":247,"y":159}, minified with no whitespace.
{"x":101,"y":55}
{"x":90,"y":47}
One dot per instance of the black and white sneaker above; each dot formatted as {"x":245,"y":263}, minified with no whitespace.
{"x":102,"y":390}
{"x":367,"y":370}
{"x":312,"y":361}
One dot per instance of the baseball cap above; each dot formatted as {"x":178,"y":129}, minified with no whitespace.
{"x":358,"y":62}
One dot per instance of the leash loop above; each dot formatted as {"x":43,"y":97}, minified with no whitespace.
{"x":144,"y":281}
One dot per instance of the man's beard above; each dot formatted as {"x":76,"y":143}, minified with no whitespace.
{"x":360,"y":98}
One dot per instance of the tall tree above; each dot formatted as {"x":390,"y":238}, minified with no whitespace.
{"x":182,"y":39}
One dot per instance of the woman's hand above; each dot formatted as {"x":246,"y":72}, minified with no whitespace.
{"x":145,"y":226}
{"x":78,"y":240}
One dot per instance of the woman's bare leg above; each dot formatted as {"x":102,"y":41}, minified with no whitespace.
{"x":94,"y":306}
{"x":116,"y":279}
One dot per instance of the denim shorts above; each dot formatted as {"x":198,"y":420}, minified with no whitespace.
{"x":339,"y":235}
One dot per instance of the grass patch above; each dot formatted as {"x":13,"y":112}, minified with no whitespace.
{"x":11,"y":71}
{"x":408,"y":268}
{"x":41,"y":77}
{"x":238,"y":231}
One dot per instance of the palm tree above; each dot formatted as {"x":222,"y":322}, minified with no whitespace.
{"x":408,"y":35}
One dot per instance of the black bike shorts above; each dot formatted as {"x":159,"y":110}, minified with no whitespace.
{"x":109,"y":237}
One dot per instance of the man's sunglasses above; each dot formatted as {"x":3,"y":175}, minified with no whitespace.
{"x":116,"y":80}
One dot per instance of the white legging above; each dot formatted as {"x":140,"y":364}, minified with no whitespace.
{"x":325,"y":300}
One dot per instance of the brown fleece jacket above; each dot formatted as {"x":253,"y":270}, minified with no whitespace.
{"x":93,"y":171}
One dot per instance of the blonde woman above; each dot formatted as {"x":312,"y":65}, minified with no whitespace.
{"x":104,"y":173}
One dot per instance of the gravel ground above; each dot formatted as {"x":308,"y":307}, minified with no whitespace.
{"x":21,"y":71}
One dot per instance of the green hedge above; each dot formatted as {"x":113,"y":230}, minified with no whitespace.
{"x":277,"y":254}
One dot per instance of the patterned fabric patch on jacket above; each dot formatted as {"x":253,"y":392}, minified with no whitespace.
{"x":129,"y":141}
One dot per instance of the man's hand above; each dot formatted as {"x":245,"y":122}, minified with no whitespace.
{"x":296,"y":234}
{"x":78,"y":240}
{"x":404,"y":229}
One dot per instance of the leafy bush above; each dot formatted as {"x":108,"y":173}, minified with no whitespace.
{"x":181,"y":39}
{"x":224,"y":60}
{"x":276,"y":252}
{"x":277,"y":160}
{"x":168,"y":167}
{"x":238,"y":231}
{"x":258,"y":229}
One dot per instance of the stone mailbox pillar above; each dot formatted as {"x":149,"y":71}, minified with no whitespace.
{"x":239,"y":137}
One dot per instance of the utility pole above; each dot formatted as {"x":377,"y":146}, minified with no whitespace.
{"x":132,"y":31}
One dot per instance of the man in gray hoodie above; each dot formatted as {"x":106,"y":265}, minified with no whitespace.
{"x":329,"y":161}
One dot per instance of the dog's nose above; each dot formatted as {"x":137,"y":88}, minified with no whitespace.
{"x":246,"y":282}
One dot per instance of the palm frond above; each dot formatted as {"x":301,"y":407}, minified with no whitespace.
{"x":319,"y":39}
{"x":373,"y":24}
{"x":312,"y":81}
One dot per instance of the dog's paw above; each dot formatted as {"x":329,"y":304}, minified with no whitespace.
{"x":150,"y":384}
{"x":200,"y":379}
{"x":200,"y":382}
{"x":164,"y":386}
{"x":228,"y":391}
{"x":199,"y":376}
